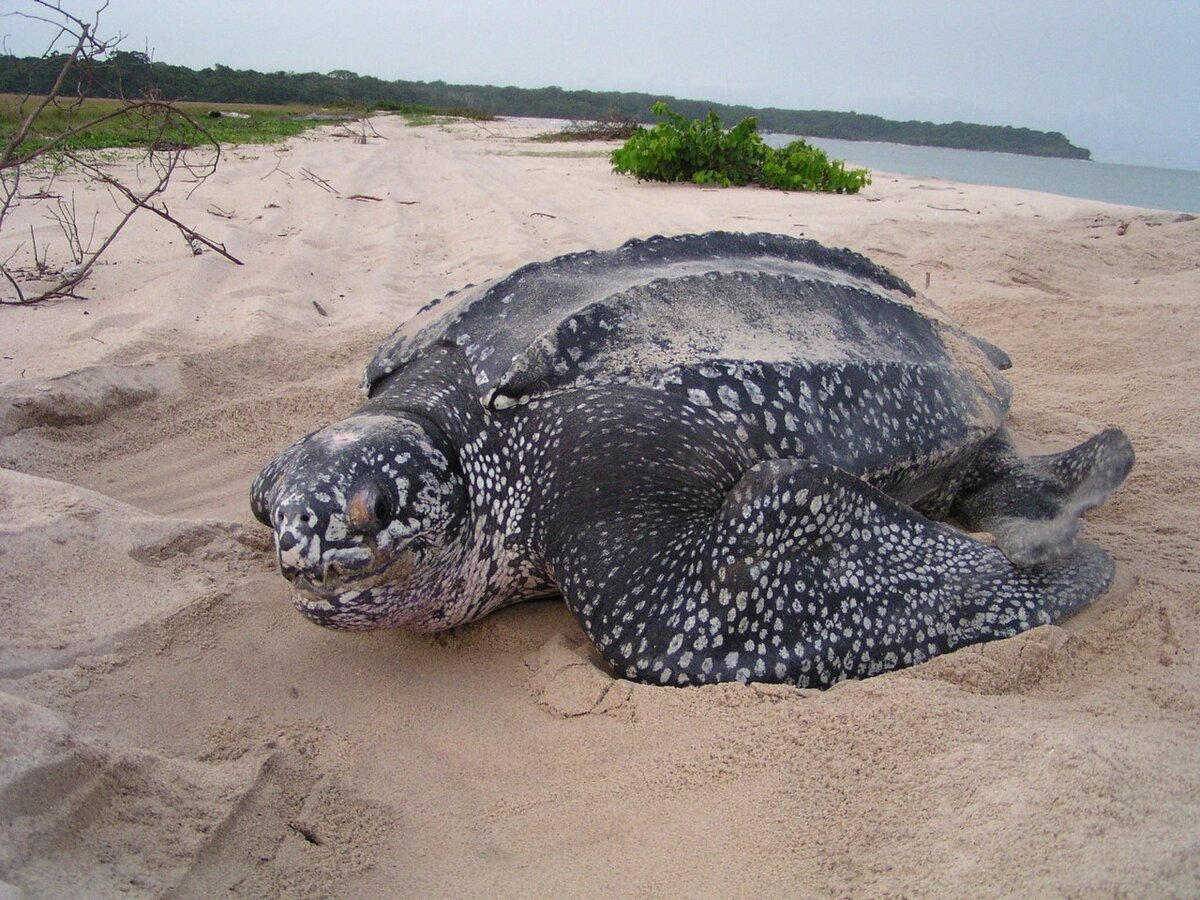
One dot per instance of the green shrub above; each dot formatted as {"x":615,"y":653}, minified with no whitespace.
{"x":703,"y":152}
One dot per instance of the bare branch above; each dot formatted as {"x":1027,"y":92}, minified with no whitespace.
{"x":11,"y":192}
{"x":14,"y":283}
{"x":143,"y":203}
{"x":171,"y":138}
{"x":358,"y":129}
{"x":320,"y":182}
{"x":39,"y":262}
{"x":279,"y":154}
{"x":77,"y":273}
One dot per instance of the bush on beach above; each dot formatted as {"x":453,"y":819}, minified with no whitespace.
{"x":704,"y":152}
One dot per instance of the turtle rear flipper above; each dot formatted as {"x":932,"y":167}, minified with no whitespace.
{"x":1032,"y":505}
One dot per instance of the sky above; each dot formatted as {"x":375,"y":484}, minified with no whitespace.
{"x":1120,"y":78}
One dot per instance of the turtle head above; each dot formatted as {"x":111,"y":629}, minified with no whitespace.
{"x":368,"y":515}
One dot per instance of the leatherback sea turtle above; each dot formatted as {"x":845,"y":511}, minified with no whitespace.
{"x":725,"y":451}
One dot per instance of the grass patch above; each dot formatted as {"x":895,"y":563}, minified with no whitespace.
{"x":416,"y":114}
{"x":265,"y":124}
{"x":420,"y":119}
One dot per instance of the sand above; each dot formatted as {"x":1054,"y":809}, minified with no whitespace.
{"x":170,"y":726}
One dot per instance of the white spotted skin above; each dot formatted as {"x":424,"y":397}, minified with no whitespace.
{"x":708,"y":516}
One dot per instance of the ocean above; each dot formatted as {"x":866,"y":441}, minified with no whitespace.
{"x":1177,"y":190}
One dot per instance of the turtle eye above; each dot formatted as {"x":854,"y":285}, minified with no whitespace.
{"x":382,"y":507}
{"x":371,"y":507}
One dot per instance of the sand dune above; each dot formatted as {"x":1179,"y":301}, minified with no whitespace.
{"x":170,"y":726}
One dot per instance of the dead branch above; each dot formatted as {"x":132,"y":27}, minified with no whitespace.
{"x":478,"y":124}
{"x":143,"y":203}
{"x":73,"y":276}
{"x":172,"y":133}
{"x":10,"y":185}
{"x":67,"y":218}
{"x":279,"y":154}
{"x":16,"y":285}
{"x":39,"y":263}
{"x":320,"y":182}
{"x":358,"y":129}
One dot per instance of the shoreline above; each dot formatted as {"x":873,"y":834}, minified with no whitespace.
{"x":172,"y":725}
{"x":1122,"y":184}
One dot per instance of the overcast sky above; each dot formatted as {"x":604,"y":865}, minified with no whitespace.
{"x":1121,"y":78}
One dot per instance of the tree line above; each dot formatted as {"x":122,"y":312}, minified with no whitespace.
{"x":133,"y":74}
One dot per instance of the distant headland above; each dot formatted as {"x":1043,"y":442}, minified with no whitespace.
{"x":134,"y":74}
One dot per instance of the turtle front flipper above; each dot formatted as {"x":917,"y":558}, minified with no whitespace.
{"x":804,"y":574}
{"x":1032,"y":505}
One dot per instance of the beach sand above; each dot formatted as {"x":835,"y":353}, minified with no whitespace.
{"x":169,"y":725}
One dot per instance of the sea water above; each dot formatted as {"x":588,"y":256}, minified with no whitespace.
{"x":1168,"y":189}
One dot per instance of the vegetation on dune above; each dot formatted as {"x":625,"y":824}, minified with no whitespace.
{"x":704,"y":152}
{"x":94,"y":124}
{"x":134,"y":74}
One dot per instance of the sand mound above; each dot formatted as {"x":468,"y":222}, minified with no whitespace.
{"x":170,"y":726}
{"x":61,"y":543}
{"x":86,"y":819}
{"x":82,"y":397}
